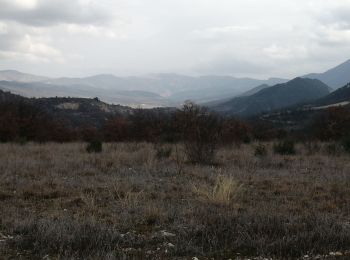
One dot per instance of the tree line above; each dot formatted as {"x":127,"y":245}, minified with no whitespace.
{"x":22,"y":121}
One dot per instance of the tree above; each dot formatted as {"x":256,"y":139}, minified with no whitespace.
{"x":200,"y":132}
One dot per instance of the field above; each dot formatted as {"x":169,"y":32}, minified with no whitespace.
{"x":140,"y":200}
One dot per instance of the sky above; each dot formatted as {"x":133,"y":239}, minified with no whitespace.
{"x":242,"y":38}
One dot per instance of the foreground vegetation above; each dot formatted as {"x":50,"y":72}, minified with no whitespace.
{"x":141,"y":200}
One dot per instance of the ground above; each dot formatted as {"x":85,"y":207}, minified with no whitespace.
{"x":140,"y":200}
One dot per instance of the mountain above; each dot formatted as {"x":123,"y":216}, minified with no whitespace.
{"x":254,"y":90}
{"x":13,"y":75}
{"x":131,"y":98}
{"x":147,"y":91}
{"x":335,"y":77}
{"x":340,"y":96}
{"x":302,"y":116}
{"x":176,"y":88}
{"x":293,"y":92}
{"x":210,"y":88}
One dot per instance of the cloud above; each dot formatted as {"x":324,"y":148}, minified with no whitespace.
{"x":283,"y":38}
{"x":277,"y":52}
{"x":216,"y":33}
{"x":229,"y":65}
{"x":29,"y":29}
{"x":54,"y":12}
{"x":30,"y":49}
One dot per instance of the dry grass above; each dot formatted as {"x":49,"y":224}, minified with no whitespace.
{"x":58,"y":201}
{"x":223,"y":191}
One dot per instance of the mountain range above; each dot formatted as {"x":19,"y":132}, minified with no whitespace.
{"x":235,"y":96}
{"x":158,"y":90}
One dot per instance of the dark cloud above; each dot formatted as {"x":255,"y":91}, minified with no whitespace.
{"x":53,"y":12}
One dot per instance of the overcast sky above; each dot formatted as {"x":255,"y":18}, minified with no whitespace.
{"x":255,"y":38}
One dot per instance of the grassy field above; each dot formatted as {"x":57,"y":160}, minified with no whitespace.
{"x":138,"y":200}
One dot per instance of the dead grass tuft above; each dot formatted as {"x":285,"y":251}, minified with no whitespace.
{"x":223,"y":191}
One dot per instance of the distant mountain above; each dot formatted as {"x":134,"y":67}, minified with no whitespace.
{"x":131,"y":98}
{"x":148,"y":91}
{"x":174,"y":87}
{"x":336,"y":77}
{"x":279,"y":96}
{"x":303,"y":115}
{"x":210,"y":88}
{"x":254,"y":90}
{"x":341,"y":95}
{"x":13,"y":75}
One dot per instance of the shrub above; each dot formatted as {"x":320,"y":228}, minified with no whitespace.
{"x":200,"y":133}
{"x":260,"y":150}
{"x":333,"y":149}
{"x":284,"y":147}
{"x":311,"y":147}
{"x":163,"y":152}
{"x":346,"y":144}
{"x":94,"y":147}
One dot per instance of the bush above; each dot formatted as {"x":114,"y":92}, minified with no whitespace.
{"x":346,"y":144}
{"x":162,"y":152}
{"x":94,"y":147}
{"x":200,"y":133}
{"x":311,"y":147}
{"x":260,"y":150}
{"x":285,"y":147}
{"x":332,"y":149}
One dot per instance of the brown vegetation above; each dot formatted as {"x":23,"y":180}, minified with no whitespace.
{"x":131,"y":200}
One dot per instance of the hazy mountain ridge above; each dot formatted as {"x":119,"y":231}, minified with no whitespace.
{"x":159,"y":90}
{"x":336,"y":77}
{"x":296,"y":91}
{"x":150,"y":91}
{"x":338,"y":96}
{"x":13,"y":75}
{"x":132,"y":98}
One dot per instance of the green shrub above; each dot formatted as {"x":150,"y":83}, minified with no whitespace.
{"x":94,"y":147}
{"x":284,"y":147}
{"x":260,"y":150}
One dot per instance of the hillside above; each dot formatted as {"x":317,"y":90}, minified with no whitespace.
{"x":303,"y":115}
{"x":336,"y":77}
{"x":254,"y":90}
{"x":74,"y":111}
{"x":293,"y":92}
{"x":338,"y":96}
